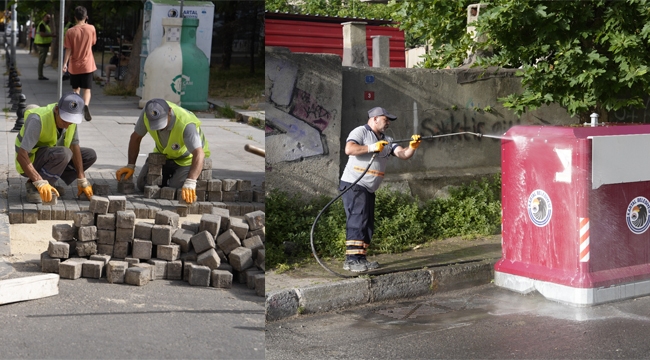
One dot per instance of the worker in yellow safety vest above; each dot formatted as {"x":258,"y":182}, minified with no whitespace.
{"x":47,"y":149}
{"x":42,"y":40}
{"x":177,"y":134}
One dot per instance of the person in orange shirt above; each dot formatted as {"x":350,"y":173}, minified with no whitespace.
{"x":78,"y":43}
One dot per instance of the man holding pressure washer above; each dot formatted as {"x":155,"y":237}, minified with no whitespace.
{"x":359,"y":203}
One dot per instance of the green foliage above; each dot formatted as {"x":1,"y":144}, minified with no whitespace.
{"x":227,"y":112}
{"x":400,"y":222}
{"x":587,"y":56}
{"x":340,"y":8}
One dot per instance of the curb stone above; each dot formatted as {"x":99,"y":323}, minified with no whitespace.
{"x":401,"y":285}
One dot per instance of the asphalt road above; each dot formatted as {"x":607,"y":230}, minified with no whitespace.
{"x":92,"y":319}
{"x":482,"y":322}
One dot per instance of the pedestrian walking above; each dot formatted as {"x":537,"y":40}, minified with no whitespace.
{"x":43,"y":40}
{"x":47,"y":149}
{"x":32,"y":33}
{"x":177,"y":134}
{"x":79,"y":40}
{"x":359,"y":202}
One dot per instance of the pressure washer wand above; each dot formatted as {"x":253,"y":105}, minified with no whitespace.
{"x":439,"y":136}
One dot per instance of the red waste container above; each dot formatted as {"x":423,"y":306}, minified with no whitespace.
{"x":575,"y":204}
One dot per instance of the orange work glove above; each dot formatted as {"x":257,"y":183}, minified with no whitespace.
{"x":189,"y":191}
{"x":415,"y":142}
{"x":378,"y":146}
{"x":127,"y":171}
{"x":45,"y":190}
{"x":84,"y":188}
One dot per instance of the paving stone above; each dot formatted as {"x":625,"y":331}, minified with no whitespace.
{"x":221,"y":279}
{"x":71,"y":268}
{"x":155,"y":170}
{"x":101,"y":257}
{"x":54,"y":201}
{"x":105,"y":249}
{"x":168,"y":193}
{"x":71,"y":209}
{"x":153,"y":210}
{"x":188,"y":256}
{"x":161,"y":234}
{"x":126,"y":187}
{"x":229,"y":184}
{"x":214,"y":185}
{"x":87,"y":233}
{"x":254,"y":243}
{"x":159,"y":268}
{"x":116,"y":271}
{"x":62,"y":232}
{"x":209,"y":258}
{"x":222,"y":255}
{"x":142,"y":249}
{"x":105,"y":237}
{"x":152,"y":191}
{"x":199,"y":275}
{"x":141,"y":210}
{"x":83,"y":218}
{"x":167,"y":217}
{"x":106,"y":222}
{"x":58,"y":249}
{"x":49,"y":264}
{"x":231,"y":196}
{"x":143,"y":230}
{"x":244,"y":185}
{"x":131,"y":260}
{"x":154,"y":180}
{"x":137,"y":276}
{"x":156,"y":159}
{"x":228,"y":241}
{"x":207,"y":163}
{"x":30,"y":216}
{"x":202,"y":241}
{"x":241,"y":258}
{"x":202,"y":185}
{"x":225,"y":266}
{"x":168,"y":252}
{"x":255,"y":220}
{"x":239,"y":226}
{"x":99,"y":205}
{"x":175,"y":270}
{"x":210,"y":223}
{"x":215,"y":196}
{"x":15,"y":216}
{"x":125,"y":219}
{"x":250,"y":273}
{"x":124,"y":234}
{"x":92,"y":269}
{"x":121,"y":249}
{"x":146,"y":266}
{"x":58,"y":212}
{"x":191,"y":226}
{"x":186,"y":269}
{"x":205,"y":174}
{"x":116,"y":203}
{"x":101,"y":189}
{"x":258,"y":196}
{"x":258,"y":232}
{"x":182,"y":210}
{"x":86,"y":248}
{"x":44,"y":212}
{"x":260,"y":284}
{"x":193,"y":208}
{"x":259,"y":260}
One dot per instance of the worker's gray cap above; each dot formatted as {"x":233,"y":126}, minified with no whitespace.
{"x":380,"y":111}
{"x":156,"y":111}
{"x":71,"y":108}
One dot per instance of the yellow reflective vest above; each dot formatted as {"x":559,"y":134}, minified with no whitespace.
{"x":49,"y":133}
{"x":42,"y":40}
{"x":176,"y":149}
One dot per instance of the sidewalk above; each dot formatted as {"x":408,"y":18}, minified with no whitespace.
{"x":108,"y":134}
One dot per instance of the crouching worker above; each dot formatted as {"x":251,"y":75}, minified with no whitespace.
{"x":177,"y":134}
{"x":47,"y":149}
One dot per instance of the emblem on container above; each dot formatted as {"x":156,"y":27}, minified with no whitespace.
{"x":540,"y":208}
{"x":636,"y":216}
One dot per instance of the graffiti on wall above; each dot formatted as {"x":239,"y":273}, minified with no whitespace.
{"x":631,"y":115}
{"x":295,"y":125}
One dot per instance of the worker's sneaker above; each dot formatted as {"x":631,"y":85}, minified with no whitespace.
{"x":370,"y":265}
{"x":354,"y":265}
{"x":32,"y":193}
{"x":87,"y":115}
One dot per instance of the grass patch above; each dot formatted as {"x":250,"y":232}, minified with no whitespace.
{"x":237,"y":82}
{"x":401,"y":222}
{"x":227,"y":112}
{"x":117,"y":89}
{"x":258,"y":123}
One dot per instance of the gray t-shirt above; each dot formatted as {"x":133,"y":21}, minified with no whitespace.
{"x":191,"y":135}
{"x":33,"y":132}
{"x":363,"y":135}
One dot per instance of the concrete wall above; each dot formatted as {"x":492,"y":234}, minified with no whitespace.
{"x":314,"y":102}
{"x":303,"y":120}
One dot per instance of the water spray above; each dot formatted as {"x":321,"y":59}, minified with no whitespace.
{"x":372,"y":159}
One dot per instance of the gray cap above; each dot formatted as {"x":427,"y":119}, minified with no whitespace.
{"x":156,"y":111}
{"x":71,"y":108}
{"x":380,"y":111}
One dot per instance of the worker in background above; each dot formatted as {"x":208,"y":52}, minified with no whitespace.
{"x":43,"y":40}
{"x":177,"y":134}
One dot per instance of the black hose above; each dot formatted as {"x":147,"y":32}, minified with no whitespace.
{"x":311,"y":234}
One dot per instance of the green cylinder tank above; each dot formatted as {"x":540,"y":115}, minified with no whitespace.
{"x":196,"y":69}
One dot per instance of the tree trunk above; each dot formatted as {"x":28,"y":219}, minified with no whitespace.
{"x":132,"y":77}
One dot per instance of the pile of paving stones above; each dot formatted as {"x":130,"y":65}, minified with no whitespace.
{"x":106,"y":241}
{"x":238,"y":196}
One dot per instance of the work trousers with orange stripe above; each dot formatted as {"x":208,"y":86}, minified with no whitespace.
{"x":359,"y":206}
